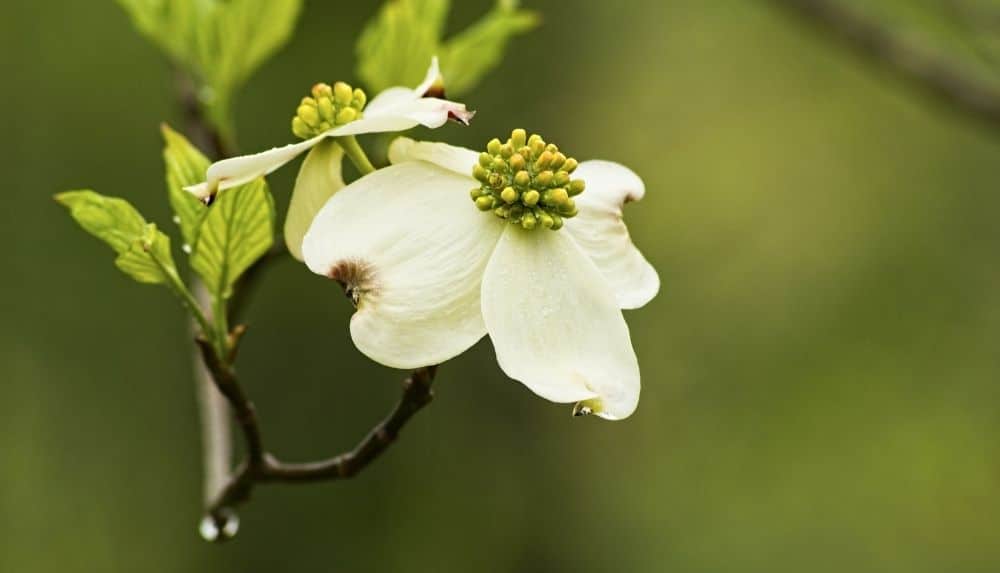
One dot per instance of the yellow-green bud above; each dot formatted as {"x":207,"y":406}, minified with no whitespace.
{"x":481,"y":174}
{"x":328,"y":107}
{"x":518,"y":137}
{"x":342,"y":94}
{"x":300,"y":129}
{"x":327,"y":110}
{"x":517,"y":162}
{"x":360,"y":99}
{"x":346,"y":115}
{"x":522,"y":179}
{"x":556,"y":197}
{"x":544,"y":179}
{"x":322,"y":91}
{"x":526,"y":181}
{"x":528,"y":221}
{"x":544,"y":160}
{"x":509,"y":195}
{"x":558,"y":160}
{"x":309,"y":114}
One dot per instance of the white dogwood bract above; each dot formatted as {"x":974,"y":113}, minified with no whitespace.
{"x":431,"y":274}
{"x":395,"y":109}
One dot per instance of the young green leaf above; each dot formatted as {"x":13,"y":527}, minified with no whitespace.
{"x":395,"y":46}
{"x":221,"y":42}
{"x":238,"y":230}
{"x":470,"y":55}
{"x":149,"y":260}
{"x":143,"y":251}
{"x":405,"y":34}
{"x":185,"y":166}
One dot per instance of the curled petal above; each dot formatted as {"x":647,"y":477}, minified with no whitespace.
{"x":410,"y":252}
{"x":405,"y":113}
{"x":601,"y":232}
{"x":319,"y":178}
{"x":399,"y":109}
{"x":555,"y":326}
{"x":237,"y":171}
{"x":457,"y":159}
{"x":432,"y":79}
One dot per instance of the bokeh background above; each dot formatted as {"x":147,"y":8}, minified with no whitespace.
{"x":820,"y":370}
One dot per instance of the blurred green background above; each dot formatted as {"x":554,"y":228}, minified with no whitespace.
{"x":819,"y":371}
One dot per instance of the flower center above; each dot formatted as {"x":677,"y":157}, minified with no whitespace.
{"x":327,"y":108}
{"x":526,"y":182}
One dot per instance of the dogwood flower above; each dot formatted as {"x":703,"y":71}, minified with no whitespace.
{"x":540,"y":265}
{"x":331,"y":115}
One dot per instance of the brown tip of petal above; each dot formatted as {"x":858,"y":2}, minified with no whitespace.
{"x":436,"y":90}
{"x":355,"y":276}
{"x":463,"y":117}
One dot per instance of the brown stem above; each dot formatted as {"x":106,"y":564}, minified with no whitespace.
{"x":243,"y":409}
{"x":214,"y":410}
{"x":933,"y":76}
{"x":262,"y":467}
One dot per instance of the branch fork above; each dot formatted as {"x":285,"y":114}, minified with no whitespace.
{"x":260,"y":466}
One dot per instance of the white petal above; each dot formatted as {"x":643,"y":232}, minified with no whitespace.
{"x":457,"y":159}
{"x":555,"y":325}
{"x":236,"y":171}
{"x":319,"y":178}
{"x":411,"y":249}
{"x":601,"y":232}
{"x":405,"y":113}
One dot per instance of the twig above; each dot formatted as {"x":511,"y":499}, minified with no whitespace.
{"x":220,"y":391}
{"x":262,"y":467}
{"x":217,"y":438}
{"x":935,"y":77}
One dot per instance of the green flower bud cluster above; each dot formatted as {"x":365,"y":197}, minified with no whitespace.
{"x":327,"y":108}
{"x":527,"y":182}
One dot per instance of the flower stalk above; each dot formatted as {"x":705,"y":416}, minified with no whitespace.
{"x":354,"y":152}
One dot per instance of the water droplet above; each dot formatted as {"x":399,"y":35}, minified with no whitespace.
{"x":186,"y":248}
{"x":220,"y":527}
{"x":177,"y":220}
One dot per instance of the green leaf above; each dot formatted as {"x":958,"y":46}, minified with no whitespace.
{"x":399,"y":42}
{"x":148,"y":260}
{"x":185,"y":166}
{"x":469,"y":56}
{"x":221,"y":42}
{"x":143,"y":251}
{"x":235,"y":40}
{"x":396,"y":46}
{"x":238,"y":230}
